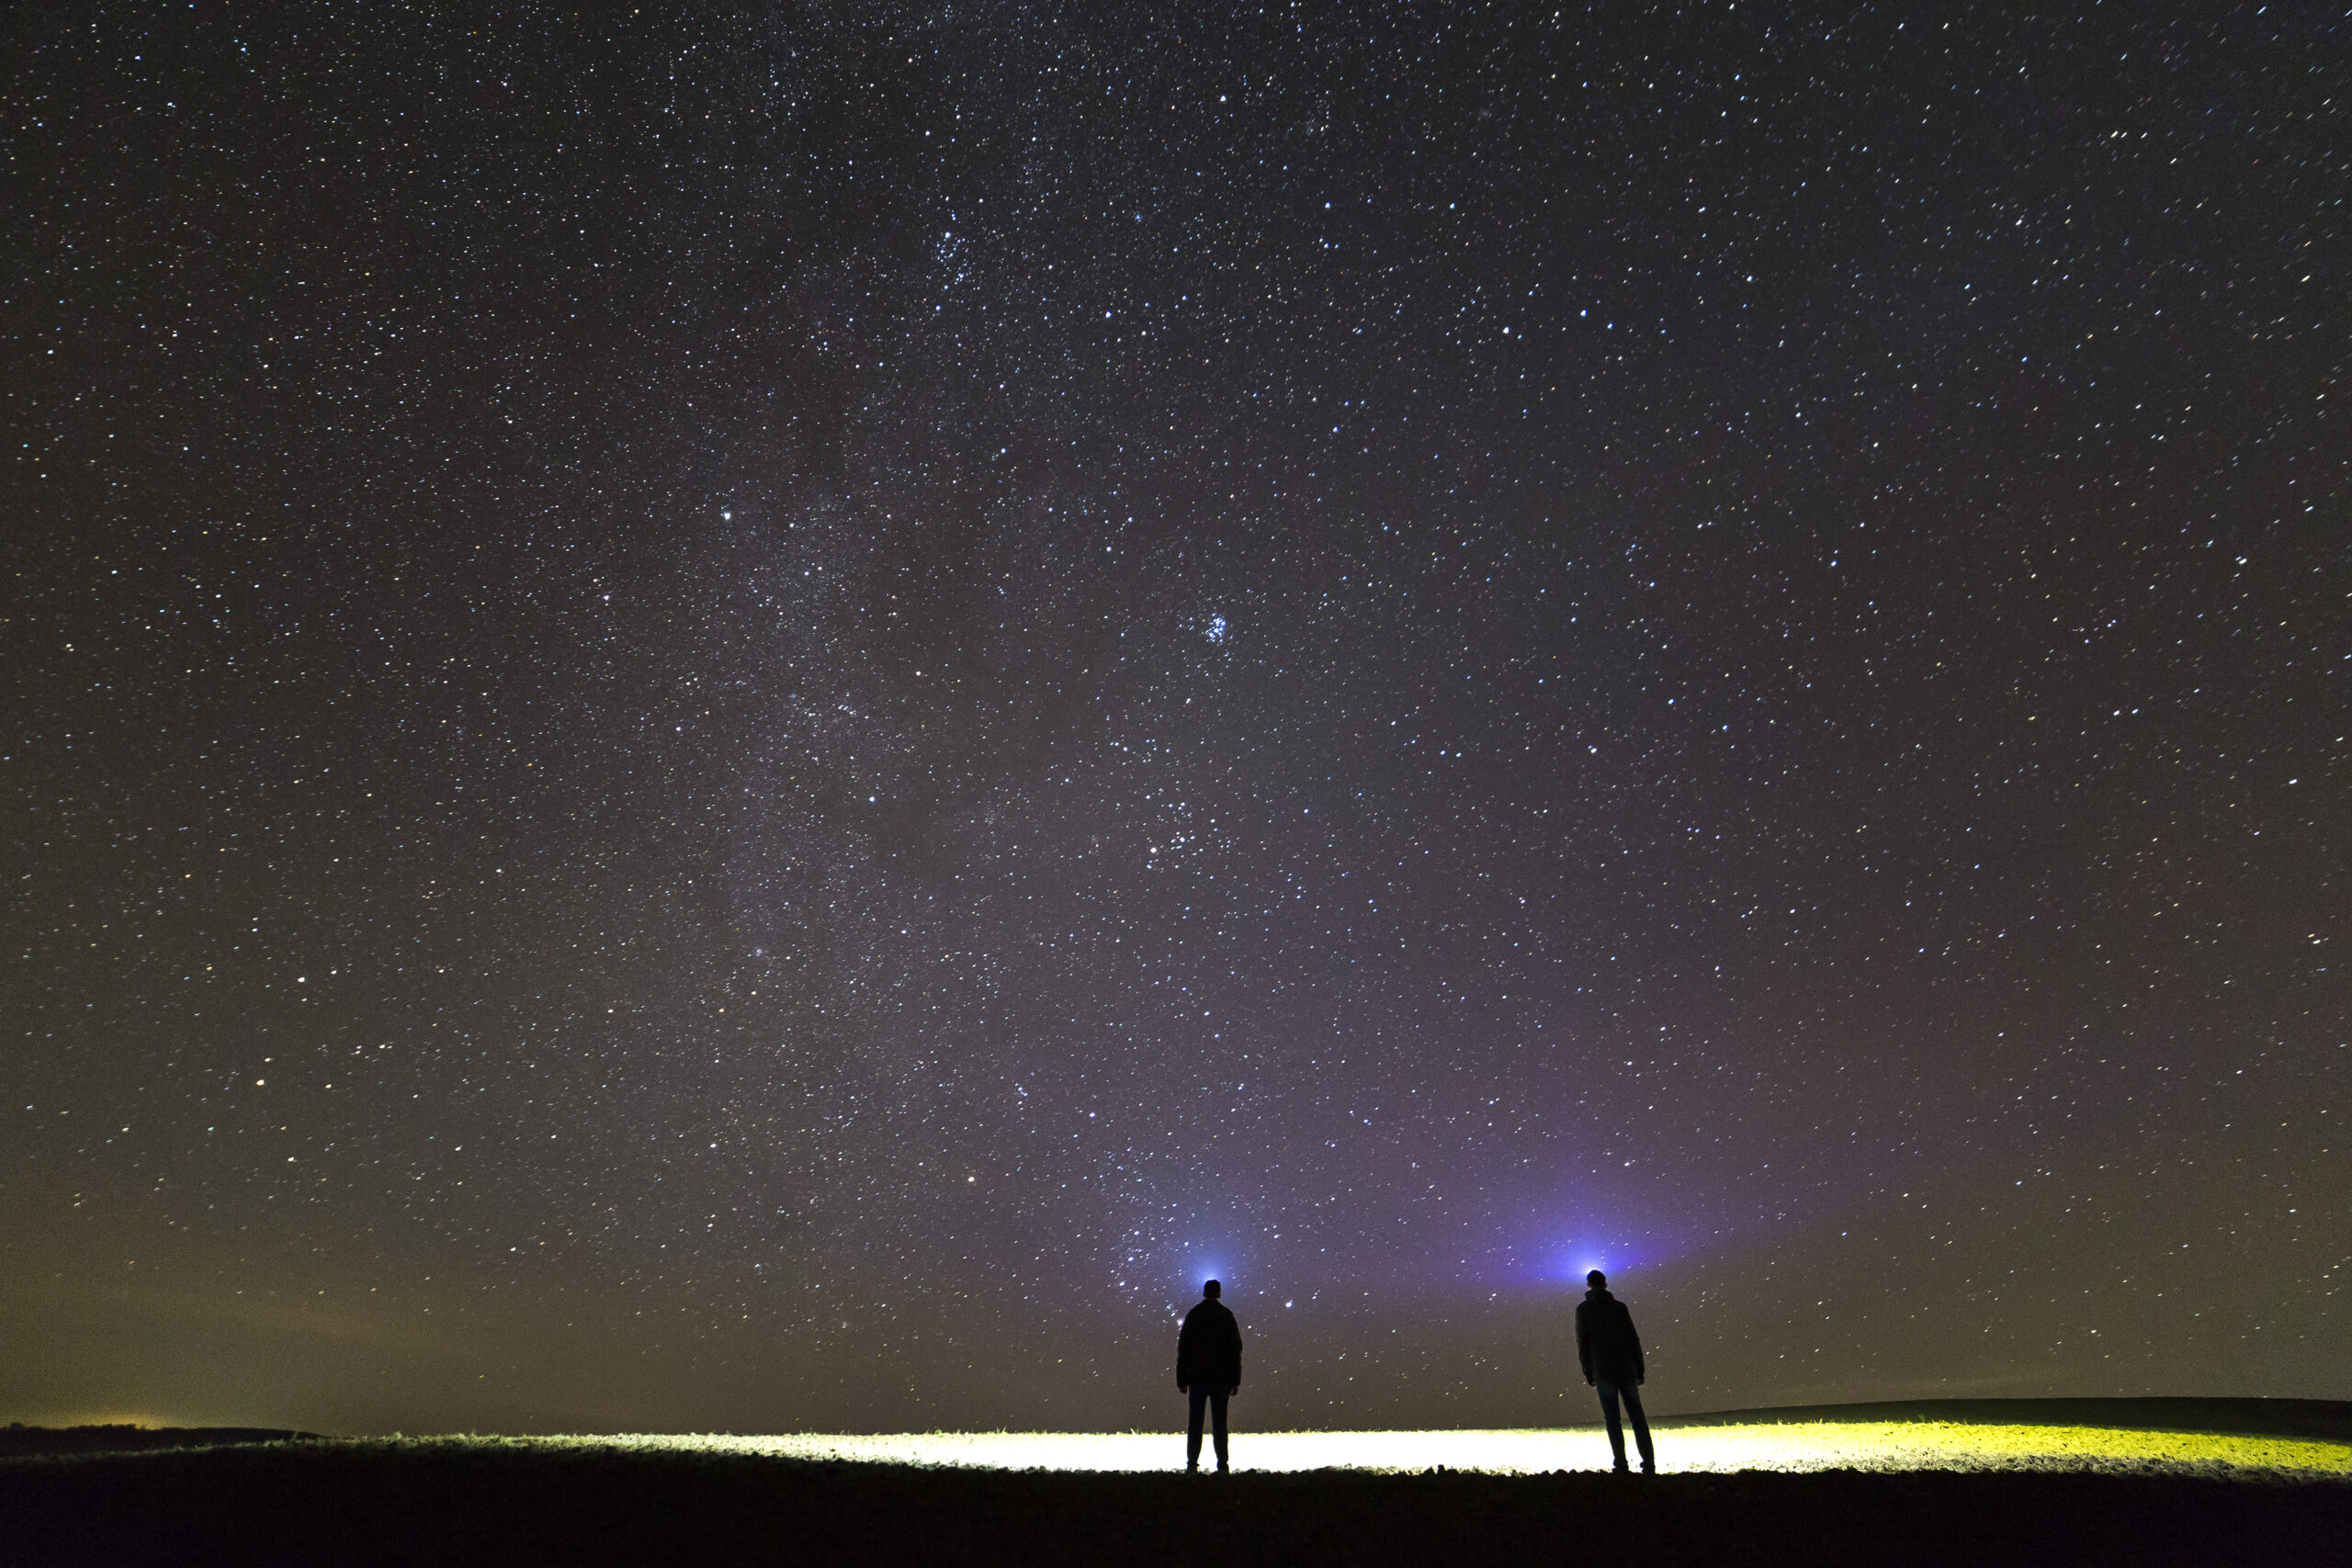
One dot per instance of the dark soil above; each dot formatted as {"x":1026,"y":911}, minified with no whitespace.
{"x":361,"y":1504}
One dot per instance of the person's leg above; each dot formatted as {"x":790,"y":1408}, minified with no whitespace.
{"x":1608,"y":1387}
{"x":1217,"y":1420}
{"x":1632,"y":1396}
{"x":1192,"y":1431}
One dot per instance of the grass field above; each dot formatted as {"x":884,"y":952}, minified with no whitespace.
{"x":1752,"y":1490}
{"x":1715,"y":1448}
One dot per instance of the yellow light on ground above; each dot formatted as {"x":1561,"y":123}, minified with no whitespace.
{"x":1791,"y":1447}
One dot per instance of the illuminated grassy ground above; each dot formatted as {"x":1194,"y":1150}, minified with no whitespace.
{"x":1717,"y":1448}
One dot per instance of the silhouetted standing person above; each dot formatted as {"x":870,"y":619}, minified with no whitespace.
{"x":1209,"y":1367}
{"x":1611,"y":1353}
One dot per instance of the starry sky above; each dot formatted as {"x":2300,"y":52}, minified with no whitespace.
{"x":764,"y":720}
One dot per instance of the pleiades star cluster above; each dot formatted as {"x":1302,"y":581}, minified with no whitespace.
{"x":763,"y":720}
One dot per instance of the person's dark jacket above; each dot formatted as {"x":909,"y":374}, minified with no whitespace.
{"x":1606,"y":1347}
{"x":1208,"y":1348}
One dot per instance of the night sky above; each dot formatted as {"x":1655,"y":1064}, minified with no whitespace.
{"x":767,"y":721}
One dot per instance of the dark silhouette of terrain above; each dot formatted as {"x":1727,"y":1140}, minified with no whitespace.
{"x":17,"y":1440}
{"x":263,"y":1496}
{"x":363,"y":1504}
{"x":2328,"y":1420}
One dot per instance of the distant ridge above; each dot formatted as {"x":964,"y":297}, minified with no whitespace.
{"x":2329,"y":1419}
{"x":24,"y":1442}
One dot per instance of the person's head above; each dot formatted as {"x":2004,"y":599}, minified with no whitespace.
{"x":1597,"y":1280}
{"x":1212,"y":1290}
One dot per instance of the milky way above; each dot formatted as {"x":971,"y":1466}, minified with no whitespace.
{"x":768,"y":723}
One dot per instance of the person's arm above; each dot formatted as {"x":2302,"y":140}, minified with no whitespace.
{"x":1184,"y":1357}
{"x":1640,"y":1367}
{"x":1584,"y":1345}
{"x":1236,"y":1359}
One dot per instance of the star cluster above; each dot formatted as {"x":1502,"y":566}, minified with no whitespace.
{"x":765,"y":722}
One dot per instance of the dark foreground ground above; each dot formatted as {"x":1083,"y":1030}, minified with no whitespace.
{"x":353,"y":1504}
